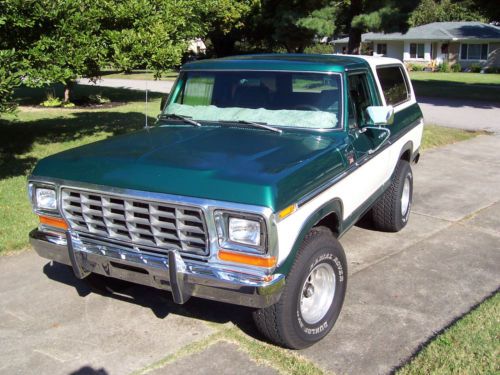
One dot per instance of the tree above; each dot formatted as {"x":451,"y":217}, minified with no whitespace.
{"x":56,"y":40}
{"x":9,"y":79}
{"x":377,"y":15}
{"x":293,"y":24}
{"x":445,"y":10}
{"x":154,"y":34}
{"x":227,"y":22}
{"x":61,"y":40}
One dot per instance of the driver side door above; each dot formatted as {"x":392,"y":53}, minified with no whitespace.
{"x":370,"y":166}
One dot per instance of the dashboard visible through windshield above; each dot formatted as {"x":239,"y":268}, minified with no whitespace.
{"x":285,"y":99}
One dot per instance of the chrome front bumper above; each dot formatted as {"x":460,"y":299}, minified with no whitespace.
{"x":183,"y":277}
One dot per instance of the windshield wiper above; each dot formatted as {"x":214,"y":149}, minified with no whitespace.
{"x":186,"y":119}
{"x":261,"y":125}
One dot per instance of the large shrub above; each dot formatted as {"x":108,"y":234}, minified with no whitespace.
{"x":9,"y":79}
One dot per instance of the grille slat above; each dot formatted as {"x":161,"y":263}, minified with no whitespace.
{"x":155,"y":224}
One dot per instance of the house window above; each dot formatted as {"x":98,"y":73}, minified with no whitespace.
{"x":474,"y":51}
{"x":416,"y":50}
{"x":382,"y":49}
{"x":394,"y":84}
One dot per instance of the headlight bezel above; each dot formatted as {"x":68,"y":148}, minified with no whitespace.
{"x":222,"y":226}
{"x":37,"y":209}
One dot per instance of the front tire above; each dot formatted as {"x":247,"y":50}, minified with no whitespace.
{"x":313,"y":295}
{"x":392,"y":210}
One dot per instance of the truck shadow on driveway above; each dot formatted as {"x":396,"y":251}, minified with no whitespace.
{"x":158,"y":301}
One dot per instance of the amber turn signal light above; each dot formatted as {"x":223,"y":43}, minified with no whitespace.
{"x":53,"y":222}
{"x":247,"y":259}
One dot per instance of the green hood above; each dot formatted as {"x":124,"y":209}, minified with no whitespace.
{"x":222,"y":163}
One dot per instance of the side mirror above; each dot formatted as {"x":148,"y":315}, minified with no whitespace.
{"x":164,"y":99}
{"x":381,"y":115}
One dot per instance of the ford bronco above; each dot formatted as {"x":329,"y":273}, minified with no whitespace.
{"x":240,"y":192}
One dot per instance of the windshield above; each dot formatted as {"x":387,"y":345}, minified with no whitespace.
{"x":288,"y":99}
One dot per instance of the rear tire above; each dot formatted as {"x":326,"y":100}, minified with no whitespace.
{"x":313,"y":294}
{"x":392,"y":210}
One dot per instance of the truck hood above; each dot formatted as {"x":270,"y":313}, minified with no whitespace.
{"x":240,"y":165}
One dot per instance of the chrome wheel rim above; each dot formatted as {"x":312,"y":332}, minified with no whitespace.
{"x":317,"y":293}
{"x":405,"y":197}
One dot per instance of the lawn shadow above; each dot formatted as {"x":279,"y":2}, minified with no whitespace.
{"x":34,"y":96}
{"x":160,"y":302}
{"x":18,"y":138}
{"x":457,"y":94}
{"x":457,"y":103}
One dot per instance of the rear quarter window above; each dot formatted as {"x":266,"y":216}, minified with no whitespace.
{"x":394,"y":84}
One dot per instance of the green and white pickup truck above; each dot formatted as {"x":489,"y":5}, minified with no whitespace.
{"x":240,"y":193}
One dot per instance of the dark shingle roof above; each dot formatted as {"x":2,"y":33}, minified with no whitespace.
{"x":438,"y":31}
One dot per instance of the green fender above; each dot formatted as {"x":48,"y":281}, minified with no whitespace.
{"x":332,"y":207}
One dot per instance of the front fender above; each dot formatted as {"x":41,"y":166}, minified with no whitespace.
{"x":334,"y":207}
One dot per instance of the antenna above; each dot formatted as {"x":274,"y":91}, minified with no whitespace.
{"x":146,"y":124}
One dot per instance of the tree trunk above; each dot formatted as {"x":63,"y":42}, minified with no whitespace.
{"x":354,"y":45}
{"x":223,"y":45}
{"x":68,"y":87}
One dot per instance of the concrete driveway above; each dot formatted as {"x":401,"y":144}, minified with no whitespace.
{"x":469,"y":114}
{"x":403,"y":288}
{"x":131,"y":84}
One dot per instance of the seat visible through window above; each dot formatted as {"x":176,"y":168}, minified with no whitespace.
{"x":251,"y":97}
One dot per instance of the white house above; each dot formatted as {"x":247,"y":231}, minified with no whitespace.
{"x":197,"y":46}
{"x":465,"y":43}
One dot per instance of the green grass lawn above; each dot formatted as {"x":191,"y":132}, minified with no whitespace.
{"x":476,"y":86}
{"x":470,"y":346}
{"x":436,"y":136}
{"x":140,"y":74}
{"x":34,"y":133}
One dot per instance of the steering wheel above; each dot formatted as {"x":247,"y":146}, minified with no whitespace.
{"x":306,"y":107}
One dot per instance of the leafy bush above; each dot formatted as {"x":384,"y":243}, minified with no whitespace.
{"x":415,"y":67}
{"x":475,"y":68}
{"x":68,"y":105}
{"x":10,"y":78}
{"x":52,"y":101}
{"x":456,"y":68}
{"x":98,"y":99}
{"x":444,"y":67}
{"x":319,"y":48}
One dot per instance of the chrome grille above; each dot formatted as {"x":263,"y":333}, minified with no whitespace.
{"x":156,"y":224}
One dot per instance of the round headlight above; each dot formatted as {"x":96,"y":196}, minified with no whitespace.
{"x":244,"y":231}
{"x":46,"y":199}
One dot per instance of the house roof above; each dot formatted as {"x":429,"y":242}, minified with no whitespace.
{"x":437,"y":31}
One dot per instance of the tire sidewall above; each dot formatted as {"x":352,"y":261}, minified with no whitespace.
{"x":322,"y":252}
{"x":405,"y":172}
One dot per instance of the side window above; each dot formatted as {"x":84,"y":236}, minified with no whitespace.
{"x":359,"y":99}
{"x":394,"y":85}
{"x":197,"y":90}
